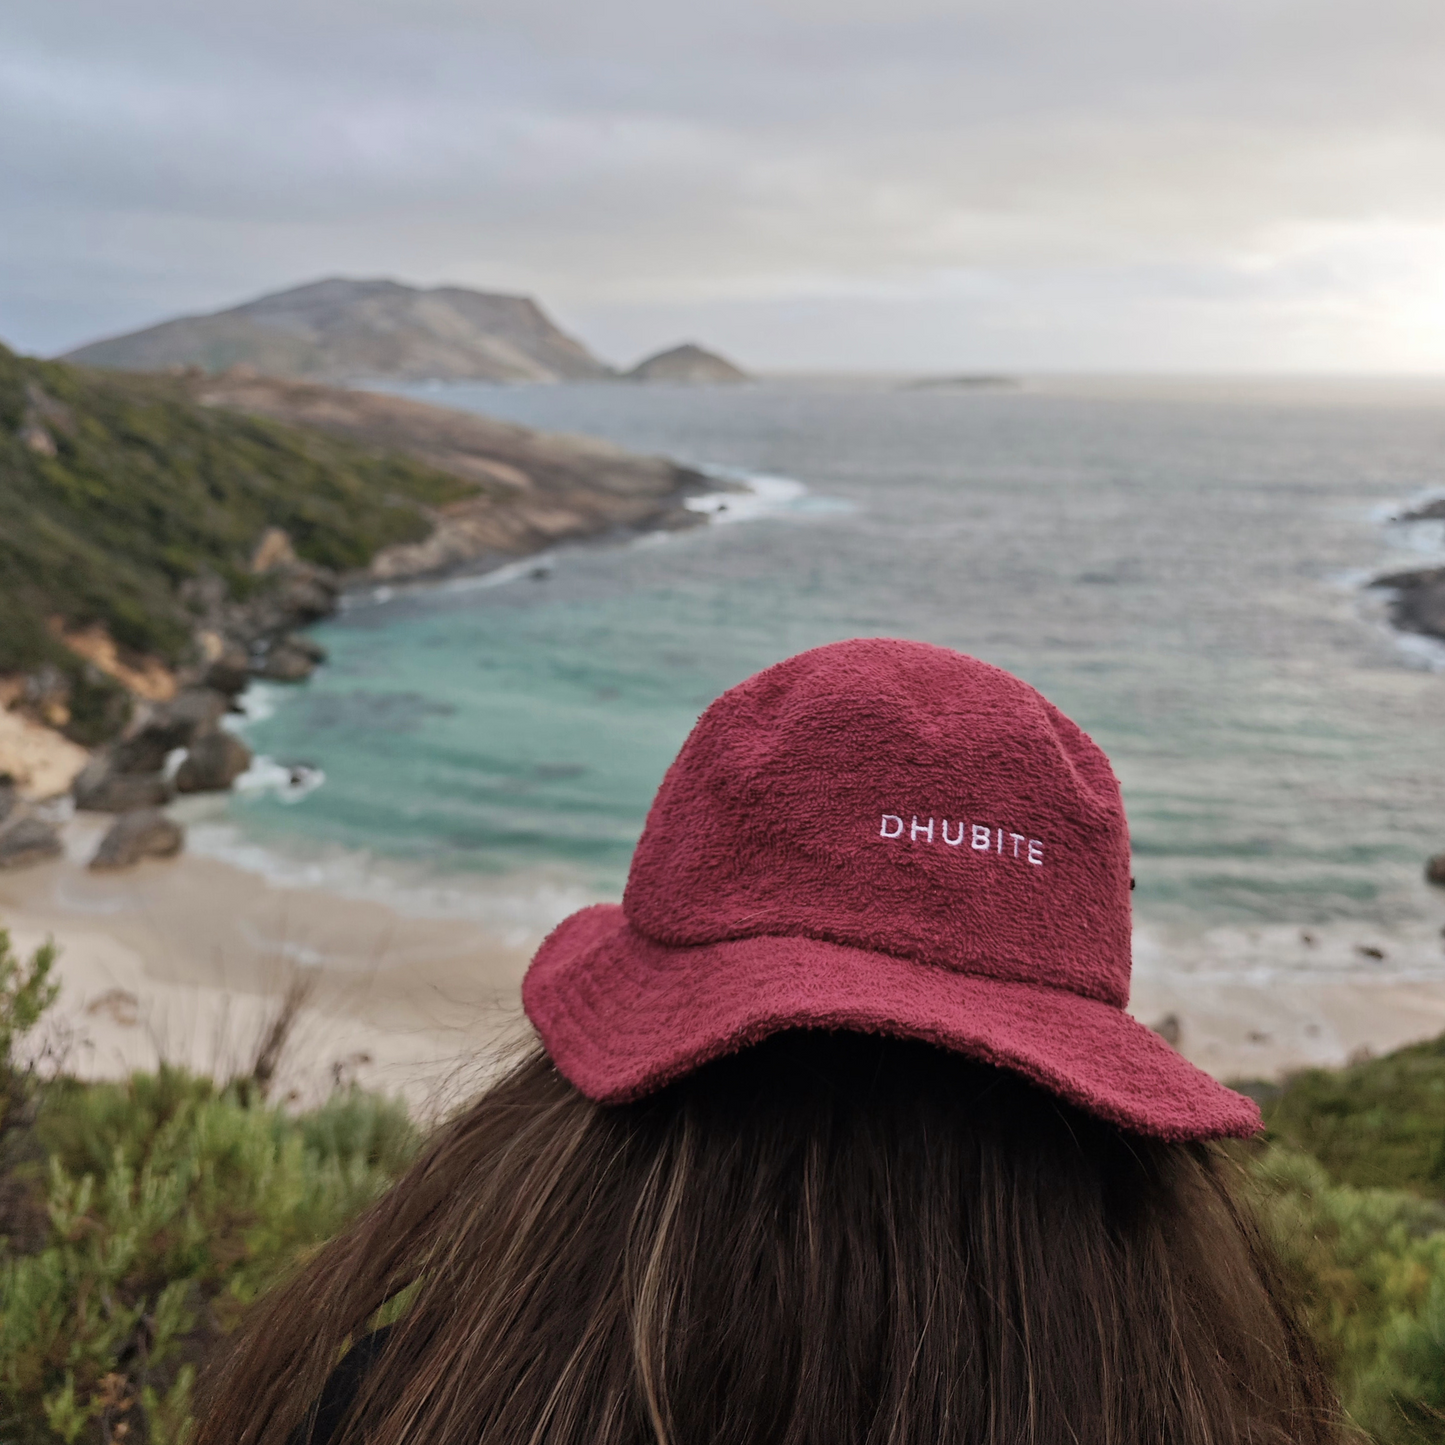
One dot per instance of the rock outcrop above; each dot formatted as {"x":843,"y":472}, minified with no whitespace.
{"x":141,"y":833}
{"x":688,"y":365}
{"x":102,"y":788}
{"x":291,"y":659}
{"x":213,"y":763}
{"x":27,"y":841}
{"x":1418,"y":603}
{"x":343,"y":330}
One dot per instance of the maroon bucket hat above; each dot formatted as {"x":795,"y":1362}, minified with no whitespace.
{"x":887,"y":837}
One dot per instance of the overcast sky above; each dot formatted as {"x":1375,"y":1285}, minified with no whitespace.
{"x":858,"y":184}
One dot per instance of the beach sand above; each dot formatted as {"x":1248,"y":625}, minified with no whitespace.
{"x":188,"y":960}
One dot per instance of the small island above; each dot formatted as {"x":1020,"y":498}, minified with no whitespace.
{"x":687,"y":365}
{"x":969,"y":382}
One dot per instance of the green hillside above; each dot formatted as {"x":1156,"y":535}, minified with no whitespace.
{"x":116,"y":489}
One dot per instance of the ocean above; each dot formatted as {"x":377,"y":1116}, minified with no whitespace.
{"x":1178,"y":566}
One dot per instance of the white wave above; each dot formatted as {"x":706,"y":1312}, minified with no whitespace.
{"x":257,"y":704}
{"x":288,"y":783}
{"x":767,"y":495}
{"x":519,"y":907}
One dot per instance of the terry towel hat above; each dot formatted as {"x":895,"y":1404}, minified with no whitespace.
{"x":887,"y":837}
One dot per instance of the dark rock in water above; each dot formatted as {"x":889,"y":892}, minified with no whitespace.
{"x":8,"y":796}
{"x":230,"y":672}
{"x":1435,"y":870}
{"x":140,"y":833}
{"x":99,"y":788}
{"x":291,"y":659}
{"x":213,"y":763}
{"x":1419,"y":601}
{"x":1430,"y":512}
{"x":29,"y":841}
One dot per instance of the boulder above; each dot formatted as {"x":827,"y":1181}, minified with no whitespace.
{"x":214,"y":762}
{"x":291,"y":659}
{"x":29,"y":841}
{"x":230,"y":672}
{"x":1418,"y":604}
{"x":173,"y":725}
{"x":8,"y":796}
{"x":1435,"y":870}
{"x":195,"y":710}
{"x":140,"y":833}
{"x":100,"y":788}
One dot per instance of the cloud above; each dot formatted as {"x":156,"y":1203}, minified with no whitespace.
{"x":915,"y":182}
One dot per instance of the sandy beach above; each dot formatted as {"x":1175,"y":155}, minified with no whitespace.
{"x":188,"y":960}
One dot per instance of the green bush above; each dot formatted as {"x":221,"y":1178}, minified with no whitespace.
{"x":1377,"y":1124}
{"x":138,"y":1219}
{"x":1370,"y":1266}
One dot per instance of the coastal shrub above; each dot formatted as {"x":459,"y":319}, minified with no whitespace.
{"x":1370,"y":1266}
{"x":137,"y":1219}
{"x":26,"y":991}
{"x":115,"y":489}
{"x":1376,"y":1124}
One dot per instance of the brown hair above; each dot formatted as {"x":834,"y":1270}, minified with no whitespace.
{"x":828,"y":1239}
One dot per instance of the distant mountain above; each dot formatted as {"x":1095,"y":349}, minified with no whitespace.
{"x":340,"y":330}
{"x":687,"y":365}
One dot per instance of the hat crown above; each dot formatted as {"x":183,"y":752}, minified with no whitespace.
{"x":900,"y":798}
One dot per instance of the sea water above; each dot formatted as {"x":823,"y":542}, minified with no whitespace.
{"x":1180,"y":568}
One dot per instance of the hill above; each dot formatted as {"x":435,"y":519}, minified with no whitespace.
{"x":117,"y":491}
{"x":132,"y":509}
{"x":533,"y":488}
{"x":342,"y":330}
{"x":687,"y":365}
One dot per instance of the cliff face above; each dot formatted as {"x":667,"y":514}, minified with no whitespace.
{"x":340,"y":330}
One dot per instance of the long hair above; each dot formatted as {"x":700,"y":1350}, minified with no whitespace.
{"x":828,"y":1239}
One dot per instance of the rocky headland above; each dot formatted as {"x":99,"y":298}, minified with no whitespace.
{"x":165,"y":540}
{"x":345,"y":330}
{"x":531,"y":489}
{"x":1417,"y":600}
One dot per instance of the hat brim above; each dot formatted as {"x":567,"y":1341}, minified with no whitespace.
{"x":622,"y":1015}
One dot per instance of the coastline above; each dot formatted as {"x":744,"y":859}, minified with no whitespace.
{"x":187,"y":960}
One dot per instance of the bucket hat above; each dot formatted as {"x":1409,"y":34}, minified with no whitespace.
{"x":887,"y":837}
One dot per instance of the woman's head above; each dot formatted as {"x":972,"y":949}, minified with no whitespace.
{"x":826,"y":1238}
{"x":842,"y":1134}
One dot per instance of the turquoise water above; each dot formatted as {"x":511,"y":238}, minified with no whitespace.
{"x":1178,"y":571}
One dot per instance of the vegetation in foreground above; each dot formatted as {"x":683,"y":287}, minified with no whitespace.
{"x":116,"y":491}
{"x":138,"y":1219}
